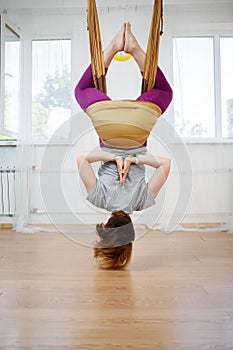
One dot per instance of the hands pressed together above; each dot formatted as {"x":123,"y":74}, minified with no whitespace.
{"x":157,"y":180}
{"x":123,"y":166}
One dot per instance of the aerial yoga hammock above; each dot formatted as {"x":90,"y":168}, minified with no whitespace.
{"x":124,"y":124}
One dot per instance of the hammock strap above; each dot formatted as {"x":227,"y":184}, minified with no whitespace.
{"x":152,"y":52}
{"x":97,"y":59}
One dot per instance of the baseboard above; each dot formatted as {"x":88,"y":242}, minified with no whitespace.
{"x":212,"y":221}
{"x":6,"y":226}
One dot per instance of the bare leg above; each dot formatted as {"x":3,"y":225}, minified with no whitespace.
{"x":161,"y":94}
{"x":116,"y":45}
{"x":132,"y":46}
{"x":125,"y":40}
{"x":85,"y":92}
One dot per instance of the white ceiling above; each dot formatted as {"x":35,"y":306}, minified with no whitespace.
{"x":43,"y":4}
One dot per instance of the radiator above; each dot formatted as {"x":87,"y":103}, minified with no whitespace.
{"x":7,"y":191}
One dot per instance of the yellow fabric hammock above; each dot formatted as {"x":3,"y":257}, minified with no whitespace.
{"x":124,"y":124}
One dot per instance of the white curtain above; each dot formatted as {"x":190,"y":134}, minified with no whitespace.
{"x":24,"y":156}
{"x":45,"y":98}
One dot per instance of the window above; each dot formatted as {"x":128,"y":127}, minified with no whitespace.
{"x":226,"y":51}
{"x":194,"y":87}
{"x":199,"y":62}
{"x":10,"y":80}
{"x":51,"y":87}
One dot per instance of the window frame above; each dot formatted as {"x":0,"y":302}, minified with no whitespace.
{"x":45,"y":141}
{"x":5,"y":23}
{"x":216,"y":35}
{"x":26,"y":74}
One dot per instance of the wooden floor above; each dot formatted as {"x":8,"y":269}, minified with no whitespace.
{"x":177,"y":293}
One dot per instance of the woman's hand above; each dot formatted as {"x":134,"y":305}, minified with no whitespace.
{"x":127,"y":163}
{"x":120,"y":167}
{"x":123,"y":166}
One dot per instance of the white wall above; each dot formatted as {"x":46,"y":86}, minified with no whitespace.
{"x":205,"y":169}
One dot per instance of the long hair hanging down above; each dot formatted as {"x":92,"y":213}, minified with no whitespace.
{"x":114,"y":245}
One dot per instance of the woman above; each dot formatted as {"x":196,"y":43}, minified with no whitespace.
{"x":121,"y":187}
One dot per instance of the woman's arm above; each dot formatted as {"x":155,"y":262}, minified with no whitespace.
{"x":160,"y":175}
{"x":84,"y":160}
{"x":157,"y":180}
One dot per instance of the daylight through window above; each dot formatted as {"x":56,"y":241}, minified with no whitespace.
{"x":51,"y":88}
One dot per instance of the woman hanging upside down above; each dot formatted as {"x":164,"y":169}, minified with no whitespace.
{"x":121,"y":187}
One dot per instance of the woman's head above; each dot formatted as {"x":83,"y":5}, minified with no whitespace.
{"x":114,"y":245}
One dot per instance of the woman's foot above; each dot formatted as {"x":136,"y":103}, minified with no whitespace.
{"x":117,"y":44}
{"x":132,"y":46}
{"x":118,"y":41}
{"x":131,"y":43}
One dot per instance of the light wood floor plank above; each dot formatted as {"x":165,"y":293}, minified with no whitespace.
{"x":176,"y":294}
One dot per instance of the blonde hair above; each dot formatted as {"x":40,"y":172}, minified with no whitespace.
{"x":114,"y":246}
{"x":117,"y":257}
